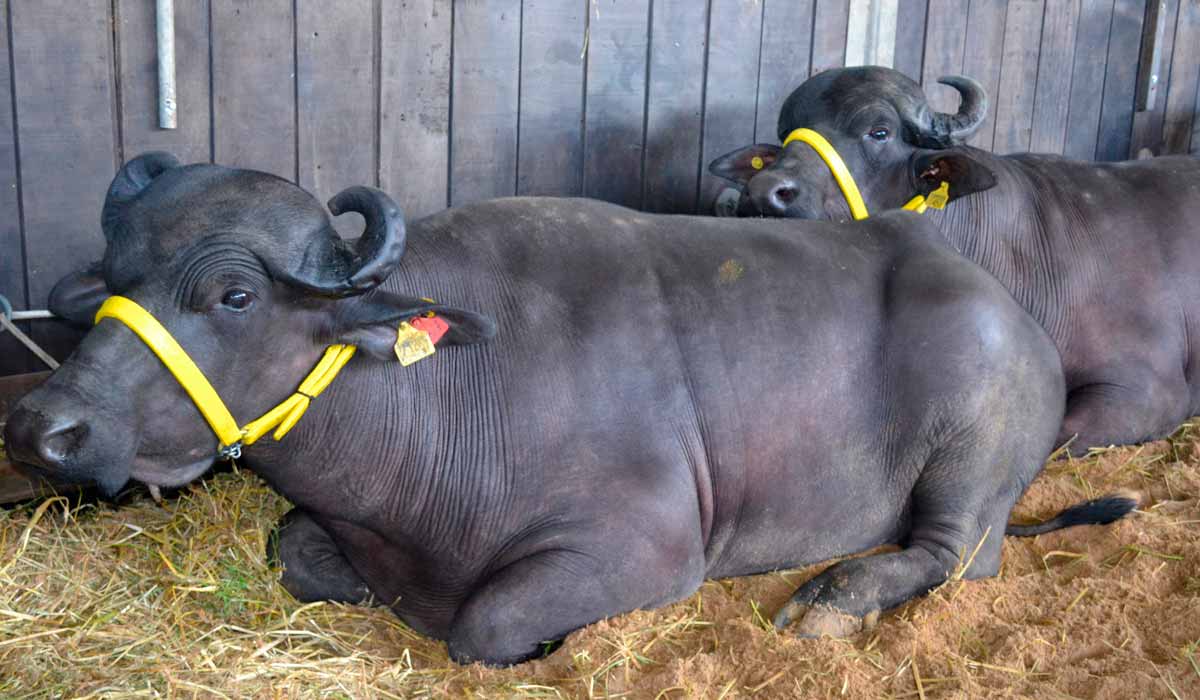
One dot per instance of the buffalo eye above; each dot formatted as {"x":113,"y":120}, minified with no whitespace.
{"x":879,"y":133}
{"x":237,"y":300}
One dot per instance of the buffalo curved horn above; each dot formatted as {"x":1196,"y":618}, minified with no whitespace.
{"x":129,"y":182}
{"x":941,"y":129}
{"x":374,"y":256}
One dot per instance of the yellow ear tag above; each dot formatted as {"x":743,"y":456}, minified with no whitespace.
{"x":412,"y":344}
{"x":939,"y":197}
{"x":757,"y":163}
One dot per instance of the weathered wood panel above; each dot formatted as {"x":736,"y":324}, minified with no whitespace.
{"x":414,"y":119}
{"x":1180,"y":106}
{"x":783,"y":62}
{"x":675,"y":105}
{"x":832,"y":18}
{"x":1120,"y":80}
{"x":731,"y":85}
{"x":14,"y":358}
{"x":946,"y":32}
{"x":910,"y":38}
{"x":1018,"y":81}
{"x":1052,"y":100}
{"x":550,"y":157}
{"x":63,"y":88}
{"x":138,"y":53}
{"x":618,"y":36}
{"x":982,"y":57}
{"x":1087,"y":78}
{"x":335,"y":100}
{"x":484,"y":103}
{"x":254,"y":89}
{"x":1149,"y":115}
{"x":871,"y":33}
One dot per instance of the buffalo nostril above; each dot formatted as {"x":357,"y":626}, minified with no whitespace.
{"x":35,"y":438}
{"x":58,"y":442}
{"x":785,"y":195}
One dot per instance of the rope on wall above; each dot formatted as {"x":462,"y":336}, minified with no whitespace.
{"x":7,"y":318}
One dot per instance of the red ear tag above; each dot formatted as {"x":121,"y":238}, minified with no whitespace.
{"x":435,"y":327}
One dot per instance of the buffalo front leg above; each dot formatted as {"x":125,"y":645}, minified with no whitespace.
{"x":538,"y":600}
{"x":314,"y":567}
{"x":849,"y":596}
{"x":960,"y":505}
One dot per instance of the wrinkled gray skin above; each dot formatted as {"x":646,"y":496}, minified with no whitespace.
{"x":1104,"y":255}
{"x":636,"y":402}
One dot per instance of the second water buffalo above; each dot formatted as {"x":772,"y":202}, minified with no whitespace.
{"x":1106,"y":256}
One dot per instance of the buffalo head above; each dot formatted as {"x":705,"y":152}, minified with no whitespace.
{"x":246,"y":272}
{"x":880,"y":123}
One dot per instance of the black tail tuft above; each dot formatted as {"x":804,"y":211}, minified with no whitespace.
{"x":1099,"y":511}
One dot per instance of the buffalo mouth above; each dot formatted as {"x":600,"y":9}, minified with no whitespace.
{"x":160,"y":471}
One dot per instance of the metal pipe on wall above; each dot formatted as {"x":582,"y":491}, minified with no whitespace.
{"x":165,"y":31}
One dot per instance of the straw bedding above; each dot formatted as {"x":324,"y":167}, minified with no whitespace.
{"x":139,"y":600}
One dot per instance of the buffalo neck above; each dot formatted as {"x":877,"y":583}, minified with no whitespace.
{"x":1019,"y":231}
{"x":385,"y":443}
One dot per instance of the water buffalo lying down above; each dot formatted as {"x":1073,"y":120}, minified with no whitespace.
{"x":1104,"y":255}
{"x":640,"y":401}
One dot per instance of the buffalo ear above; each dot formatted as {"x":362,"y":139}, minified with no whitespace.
{"x":78,"y":296}
{"x":371,"y":322}
{"x":965,"y":173}
{"x":741,"y":165}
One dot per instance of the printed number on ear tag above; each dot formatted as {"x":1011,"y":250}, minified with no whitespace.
{"x":412,"y":344}
{"x":938,"y":198}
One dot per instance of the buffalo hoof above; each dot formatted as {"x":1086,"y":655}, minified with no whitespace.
{"x":823,"y":621}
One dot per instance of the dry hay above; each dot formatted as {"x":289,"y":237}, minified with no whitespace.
{"x":177,"y":601}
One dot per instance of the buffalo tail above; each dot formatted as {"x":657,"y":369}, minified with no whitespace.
{"x":1098,"y":511}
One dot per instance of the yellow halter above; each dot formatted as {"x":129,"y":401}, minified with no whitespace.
{"x":281,"y":418}
{"x":858,"y":209}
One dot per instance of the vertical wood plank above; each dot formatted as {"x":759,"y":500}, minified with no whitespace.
{"x":946,"y":31}
{"x":1154,"y":29}
{"x":1087,"y":78}
{"x":1120,"y":80}
{"x":550,"y":161}
{"x":735,"y":30}
{"x":335,"y":100}
{"x":831,"y":20}
{"x":1053,"y":97}
{"x":871,"y":33}
{"x":66,"y":129}
{"x":982,"y":57}
{"x":616,"y":100}
{"x":1180,"y":110}
{"x":1148,"y":124}
{"x":910,"y":38}
{"x":1018,"y":77}
{"x":14,"y":359}
{"x":139,"y":81}
{"x":254,"y":88}
{"x":1194,"y":149}
{"x":414,"y":119}
{"x":484,"y":101}
{"x":675,"y":105}
{"x":783,"y":60}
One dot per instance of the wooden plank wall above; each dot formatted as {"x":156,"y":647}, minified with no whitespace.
{"x":449,"y":101}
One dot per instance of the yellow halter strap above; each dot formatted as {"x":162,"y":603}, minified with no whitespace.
{"x":281,"y":418}
{"x":858,"y":208}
